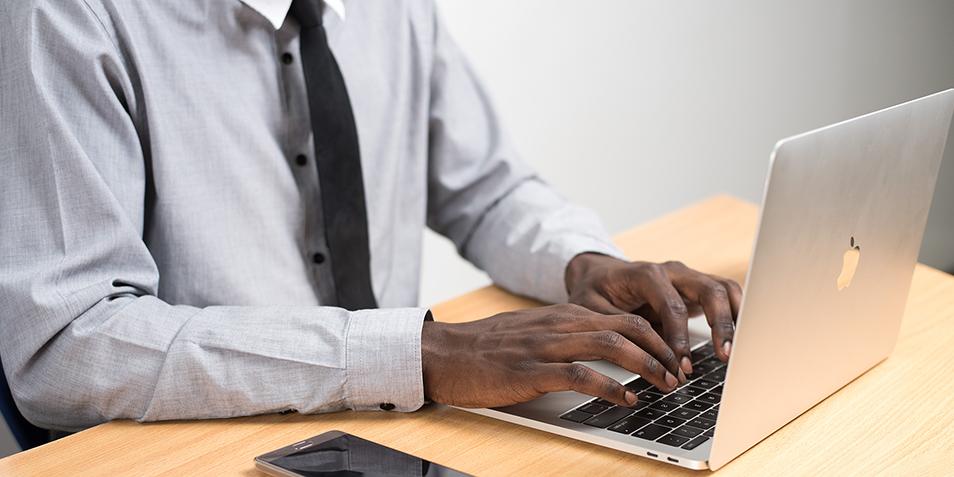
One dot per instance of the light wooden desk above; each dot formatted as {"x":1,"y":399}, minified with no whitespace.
{"x":897,"y":419}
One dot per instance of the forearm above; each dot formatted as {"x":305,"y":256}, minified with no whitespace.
{"x":140,"y":358}
{"x":527,"y":240}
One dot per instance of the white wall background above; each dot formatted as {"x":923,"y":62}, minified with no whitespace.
{"x":636,"y":107}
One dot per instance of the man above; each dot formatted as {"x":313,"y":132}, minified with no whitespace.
{"x":215,"y":208}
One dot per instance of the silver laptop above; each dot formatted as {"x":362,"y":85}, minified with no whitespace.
{"x":842,"y":220}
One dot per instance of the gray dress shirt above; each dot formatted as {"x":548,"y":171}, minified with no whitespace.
{"x":161,"y":242}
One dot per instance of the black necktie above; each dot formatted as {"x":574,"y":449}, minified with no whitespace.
{"x":339,"y":161}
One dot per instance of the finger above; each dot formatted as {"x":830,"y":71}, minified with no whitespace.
{"x":649,"y":314}
{"x":634,"y":328}
{"x":610,"y":346}
{"x":735,"y":294}
{"x":669,"y":305}
{"x":654,"y":319}
{"x":640,"y":331}
{"x":714,"y":299}
{"x":554,"y":377}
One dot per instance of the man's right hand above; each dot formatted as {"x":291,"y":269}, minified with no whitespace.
{"x":518,"y":356}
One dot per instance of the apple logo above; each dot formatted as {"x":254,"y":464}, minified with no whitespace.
{"x":849,"y":264}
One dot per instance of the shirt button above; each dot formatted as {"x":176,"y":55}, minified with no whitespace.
{"x":318,"y":258}
{"x":386,"y":406}
{"x":301,"y":159}
{"x":287,"y":58}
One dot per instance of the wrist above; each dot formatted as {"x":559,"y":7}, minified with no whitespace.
{"x":431,"y":339}
{"x":580,"y":265}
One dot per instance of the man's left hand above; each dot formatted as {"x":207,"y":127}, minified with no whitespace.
{"x":663,"y":293}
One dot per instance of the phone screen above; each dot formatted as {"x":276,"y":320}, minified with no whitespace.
{"x":348,"y":455}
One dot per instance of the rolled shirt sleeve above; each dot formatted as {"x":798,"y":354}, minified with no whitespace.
{"x":498,"y":212}
{"x":84,"y":337}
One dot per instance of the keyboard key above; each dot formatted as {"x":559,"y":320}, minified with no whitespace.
{"x":609,"y":417}
{"x":576,"y":416}
{"x":663,"y":406}
{"x":675,"y":398}
{"x":683,"y":413}
{"x":680,"y":386}
{"x":704,"y":383}
{"x":628,"y":425}
{"x":650,"y":413}
{"x":651,"y":432}
{"x":687,"y":431}
{"x":709,"y":433}
{"x":711,"y":398}
{"x":669,"y":421}
{"x":701,"y":423}
{"x":592,"y":408}
{"x":639,"y":405}
{"x":702,"y":369}
{"x":711,"y":414}
{"x":638,"y":384}
{"x":701,"y":353}
{"x":696,"y":405}
{"x":647,"y":396}
{"x":695,"y":443}
{"x":717,"y":375}
{"x":706,"y":365}
{"x":673,"y":440}
{"x":691,"y":391}
{"x":604,"y":402}
{"x":717,"y":390}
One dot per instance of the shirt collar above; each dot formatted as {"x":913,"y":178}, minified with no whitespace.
{"x":276,"y":10}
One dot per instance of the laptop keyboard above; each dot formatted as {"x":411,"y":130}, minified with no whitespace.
{"x":684,"y":418}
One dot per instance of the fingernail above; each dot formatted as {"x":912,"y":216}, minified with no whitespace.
{"x":630,"y":397}
{"x":686,"y":365}
{"x":682,"y":377}
{"x":726,"y":347}
{"x":671,"y":380}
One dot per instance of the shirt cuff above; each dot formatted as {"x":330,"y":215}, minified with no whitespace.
{"x":384,"y":359}
{"x":552,"y":284}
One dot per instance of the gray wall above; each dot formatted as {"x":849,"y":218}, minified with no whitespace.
{"x":635,"y":108}
{"x":938,"y":248}
{"x":7,"y":444}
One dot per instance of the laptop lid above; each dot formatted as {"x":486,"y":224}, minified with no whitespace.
{"x":842,"y":220}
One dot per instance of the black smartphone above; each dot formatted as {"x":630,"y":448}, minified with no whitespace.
{"x":336,"y":453}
